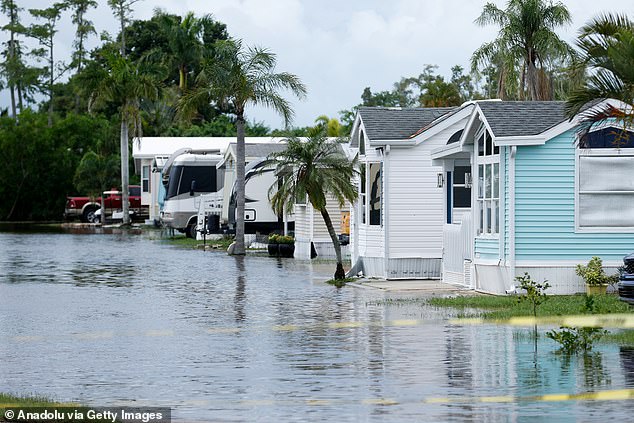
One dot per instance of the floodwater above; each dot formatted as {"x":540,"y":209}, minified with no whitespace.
{"x":125,"y":319}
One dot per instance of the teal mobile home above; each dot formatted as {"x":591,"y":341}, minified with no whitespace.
{"x":541,"y":201}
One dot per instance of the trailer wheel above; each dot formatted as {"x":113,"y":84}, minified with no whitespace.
{"x":190,"y":232}
{"x":89,"y":214}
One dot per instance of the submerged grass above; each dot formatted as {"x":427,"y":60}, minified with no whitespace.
{"x":11,"y":400}
{"x":184,"y":242}
{"x":498,"y":307}
{"x":340,"y":283}
{"x":501,"y":308}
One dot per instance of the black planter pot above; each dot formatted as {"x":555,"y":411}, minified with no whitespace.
{"x":274,"y":250}
{"x":286,"y":250}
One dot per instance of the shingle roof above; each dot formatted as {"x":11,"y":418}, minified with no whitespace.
{"x":522,"y":118}
{"x":260,"y":150}
{"x":388,"y":123}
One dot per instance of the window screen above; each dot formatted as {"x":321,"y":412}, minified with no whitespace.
{"x":606,"y":191}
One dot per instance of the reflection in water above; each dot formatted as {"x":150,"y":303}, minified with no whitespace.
{"x":595,"y":375}
{"x":626,"y":355}
{"x":247,"y":339}
{"x":239,"y":299}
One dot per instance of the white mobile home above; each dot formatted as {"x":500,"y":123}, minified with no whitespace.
{"x":396,"y":224}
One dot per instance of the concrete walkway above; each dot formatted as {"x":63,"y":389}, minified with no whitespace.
{"x":428,"y":286}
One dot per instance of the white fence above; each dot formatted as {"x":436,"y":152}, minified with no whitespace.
{"x":457,"y":251}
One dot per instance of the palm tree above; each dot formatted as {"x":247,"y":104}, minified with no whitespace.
{"x":315,"y":169}
{"x":331,"y":126}
{"x":125,"y":83}
{"x":526,"y":39}
{"x":607,"y":46}
{"x":184,"y":41}
{"x":236,"y":78}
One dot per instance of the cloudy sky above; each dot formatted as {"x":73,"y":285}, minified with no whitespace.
{"x":338,"y":47}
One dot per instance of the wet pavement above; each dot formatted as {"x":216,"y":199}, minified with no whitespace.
{"x":128,"y":319}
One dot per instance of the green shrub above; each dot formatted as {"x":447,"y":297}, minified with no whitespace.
{"x":573,"y":340}
{"x":274,"y":239}
{"x":285,"y":239}
{"x":535,"y":292}
{"x":593,"y":273}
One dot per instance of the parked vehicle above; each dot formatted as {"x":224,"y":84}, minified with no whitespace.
{"x":84,"y":208}
{"x":626,"y":282}
{"x":187,"y":175}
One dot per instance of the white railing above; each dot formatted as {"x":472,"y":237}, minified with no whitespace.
{"x":457,"y":244}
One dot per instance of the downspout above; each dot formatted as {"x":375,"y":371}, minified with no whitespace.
{"x":512,"y":211}
{"x":384,"y":195}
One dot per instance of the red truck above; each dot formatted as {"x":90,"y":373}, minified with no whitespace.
{"x":84,"y":208}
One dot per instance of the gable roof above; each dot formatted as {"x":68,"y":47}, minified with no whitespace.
{"x":394,"y":123}
{"x":522,"y":118}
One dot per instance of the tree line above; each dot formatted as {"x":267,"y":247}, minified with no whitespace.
{"x":176,"y":75}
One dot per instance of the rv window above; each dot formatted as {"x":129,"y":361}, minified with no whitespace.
{"x":135,"y":191}
{"x":205,"y":177}
{"x":173,"y":181}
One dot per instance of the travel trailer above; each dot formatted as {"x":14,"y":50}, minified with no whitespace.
{"x":187,"y":175}
{"x":259,"y":216}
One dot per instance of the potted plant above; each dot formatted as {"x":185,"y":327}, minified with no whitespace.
{"x":594,"y":276}
{"x":286,"y":245}
{"x":274,"y":246}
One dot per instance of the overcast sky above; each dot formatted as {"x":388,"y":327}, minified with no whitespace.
{"x":339,"y":47}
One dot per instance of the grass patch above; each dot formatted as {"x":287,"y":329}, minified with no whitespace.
{"x":504,"y":307}
{"x":398,"y":302}
{"x":620,"y":337}
{"x":10,"y":400}
{"x":190,"y":243}
{"x":340,"y":283}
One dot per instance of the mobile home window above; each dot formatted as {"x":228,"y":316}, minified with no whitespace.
{"x":145,"y":178}
{"x":361,"y":143}
{"x":488,"y":200}
{"x":376,"y":189}
{"x":362,"y":195}
{"x":605,"y":191}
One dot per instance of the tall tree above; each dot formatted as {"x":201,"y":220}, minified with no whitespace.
{"x":236,"y":78}
{"x":122,"y":10}
{"x":125,"y":83}
{"x":527,"y":36}
{"x":83,"y":29}
{"x":607,"y":46}
{"x":122,"y":74}
{"x":316,"y":169}
{"x":11,"y":10}
{"x":45,"y":34}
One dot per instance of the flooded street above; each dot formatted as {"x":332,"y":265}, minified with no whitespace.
{"x":113,"y":319}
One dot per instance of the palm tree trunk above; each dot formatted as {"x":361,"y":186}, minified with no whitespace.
{"x":182,"y":83}
{"x":240,"y":159}
{"x":339,"y":273}
{"x":50,"y":86}
{"x":532,"y":80}
{"x":125,"y":176}
{"x":11,"y":76}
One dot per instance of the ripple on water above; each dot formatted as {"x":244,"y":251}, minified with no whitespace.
{"x":107,"y":319}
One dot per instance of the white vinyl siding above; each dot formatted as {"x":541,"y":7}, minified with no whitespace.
{"x":415,"y":214}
